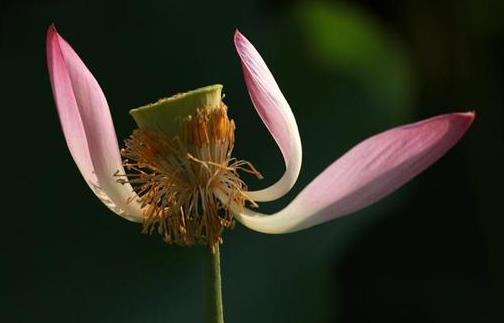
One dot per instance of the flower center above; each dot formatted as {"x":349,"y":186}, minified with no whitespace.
{"x":176,"y":177}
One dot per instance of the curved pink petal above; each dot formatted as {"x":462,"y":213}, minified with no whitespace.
{"x":365,"y":174}
{"x":276,"y":115}
{"x":88,"y":127}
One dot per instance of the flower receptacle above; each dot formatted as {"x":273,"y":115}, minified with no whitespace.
{"x":167,"y":114}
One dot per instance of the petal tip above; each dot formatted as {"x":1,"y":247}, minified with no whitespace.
{"x":53,"y":37}
{"x":52,"y":32}
{"x":470,"y":115}
{"x":52,"y":45}
{"x":237,"y":34}
{"x":467,"y":118}
{"x":239,"y":38}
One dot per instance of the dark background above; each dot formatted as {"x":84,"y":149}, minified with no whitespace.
{"x":431,"y":252}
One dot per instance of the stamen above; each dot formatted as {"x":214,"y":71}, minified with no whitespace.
{"x":175,"y":178}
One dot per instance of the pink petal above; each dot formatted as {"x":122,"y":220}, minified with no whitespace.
{"x":87,"y":126}
{"x":276,"y":115}
{"x":365,"y":174}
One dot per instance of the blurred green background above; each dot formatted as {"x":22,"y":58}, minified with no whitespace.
{"x":431,"y":252}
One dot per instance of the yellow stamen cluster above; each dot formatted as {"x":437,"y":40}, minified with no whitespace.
{"x":176,"y":178}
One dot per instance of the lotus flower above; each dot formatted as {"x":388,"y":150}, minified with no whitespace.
{"x":365,"y":174}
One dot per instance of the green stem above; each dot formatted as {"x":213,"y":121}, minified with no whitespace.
{"x":215,"y":307}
